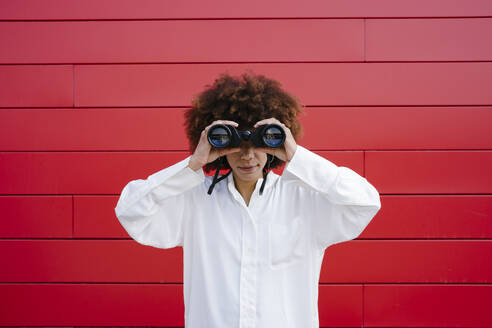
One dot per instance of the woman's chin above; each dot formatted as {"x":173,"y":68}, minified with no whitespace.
{"x":248,"y":174}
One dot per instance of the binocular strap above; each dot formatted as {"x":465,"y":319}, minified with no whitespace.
{"x":216,"y":179}
{"x":270,"y":159}
{"x":265,"y":173}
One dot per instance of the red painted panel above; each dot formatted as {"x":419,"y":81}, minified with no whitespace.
{"x":398,"y":128}
{"x":358,"y":261}
{"x":100,"y":172}
{"x":439,"y":172}
{"x":156,"y":9}
{"x":89,"y":261}
{"x":93,"y":129}
{"x":94,"y":217}
{"x":181,"y":41}
{"x":89,"y":304}
{"x":413,"y":261}
{"x":78,"y":172}
{"x":340,"y":305}
{"x":428,"y":39}
{"x":36,"y":216}
{"x":427,"y":306}
{"x":357,"y":84}
{"x":432,"y":217}
{"x":324,"y":128}
{"x":399,"y":217}
{"x":137,"y":305}
{"x":36,"y":86}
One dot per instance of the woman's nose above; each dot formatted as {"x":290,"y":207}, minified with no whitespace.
{"x":247,"y":152}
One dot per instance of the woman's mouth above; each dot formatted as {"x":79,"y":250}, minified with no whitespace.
{"x":247,"y":168}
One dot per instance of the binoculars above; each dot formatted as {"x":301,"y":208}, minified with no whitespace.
{"x":227,"y":136}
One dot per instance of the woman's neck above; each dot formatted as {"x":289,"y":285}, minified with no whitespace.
{"x":245,"y":188}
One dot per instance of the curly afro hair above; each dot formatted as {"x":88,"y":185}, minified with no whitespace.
{"x":246,"y":100}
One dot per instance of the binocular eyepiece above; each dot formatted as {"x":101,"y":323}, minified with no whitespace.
{"x":227,"y":136}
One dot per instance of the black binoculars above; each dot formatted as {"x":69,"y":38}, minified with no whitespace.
{"x":227,"y":136}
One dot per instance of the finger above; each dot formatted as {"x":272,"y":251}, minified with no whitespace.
{"x":226,"y":151}
{"x":222,"y":122}
{"x":271,"y":120}
{"x":265,"y":121}
{"x":204,"y":140}
{"x":229,"y":122}
{"x":268,"y":150}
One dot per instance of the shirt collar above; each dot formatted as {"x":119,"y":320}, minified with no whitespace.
{"x":271,"y":179}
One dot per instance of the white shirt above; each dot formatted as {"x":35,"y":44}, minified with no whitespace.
{"x":257,"y":265}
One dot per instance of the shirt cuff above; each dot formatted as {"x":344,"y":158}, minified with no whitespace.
{"x":311,"y":169}
{"x":176,"y":179}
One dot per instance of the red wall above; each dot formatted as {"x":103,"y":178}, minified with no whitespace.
{"x":92,"y":95}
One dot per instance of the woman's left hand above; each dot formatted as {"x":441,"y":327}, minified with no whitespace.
{"x":286,"y":152}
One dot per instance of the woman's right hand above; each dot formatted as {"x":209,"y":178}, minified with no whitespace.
{"x":205,"y":153}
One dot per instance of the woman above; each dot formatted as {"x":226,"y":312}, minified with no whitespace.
{"x":253,"y":247}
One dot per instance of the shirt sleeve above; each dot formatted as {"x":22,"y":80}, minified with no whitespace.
{"x":152,"y":211}
{"x":339,"y":202}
